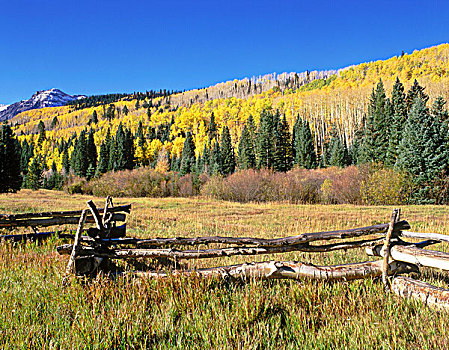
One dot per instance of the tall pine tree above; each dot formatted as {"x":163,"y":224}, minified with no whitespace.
{"x":227,"y":152}
{"x":10,"y":156}
{"x":188,"y":160}
{"x":423,"y":151}
{"x":283,"y":159}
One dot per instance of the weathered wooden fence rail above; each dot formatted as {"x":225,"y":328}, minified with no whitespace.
{"x":94,"y":247}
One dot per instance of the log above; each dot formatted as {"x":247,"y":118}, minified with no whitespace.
{"x":413,"y":254}
{"x":288,"y":270}
{"x":428,"y":294}
{"x":376,"y":250}
{"x":263,"y":242}
{"x":423,"y":235}
{"x":96,"y":215}
{"x":75,"y":245}
{"x":51,"y":214}
{"x":65,"y":220}
{"x":421,"y":257}
{"x":386,"y":248}
{"x":213,"y":253}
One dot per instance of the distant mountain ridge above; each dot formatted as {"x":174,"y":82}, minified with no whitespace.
{"x":41,"y":99}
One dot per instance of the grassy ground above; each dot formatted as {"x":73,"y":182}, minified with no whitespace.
{"x":37,"y":312}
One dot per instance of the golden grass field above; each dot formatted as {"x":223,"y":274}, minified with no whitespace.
{"x":187,"y":312}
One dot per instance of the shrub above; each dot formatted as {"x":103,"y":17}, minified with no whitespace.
{"x":386,"y":187}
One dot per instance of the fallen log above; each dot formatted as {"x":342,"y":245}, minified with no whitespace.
{"x":426,"y":293}
{"x":264,"y":242}
{"x":63,"y":220}
{"x":212,"y":253}
{"x":288,"y":270}
{"x":50,"y":214}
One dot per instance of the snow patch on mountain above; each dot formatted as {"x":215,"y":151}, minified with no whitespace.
{"x":3,"y":107}
{"x":41,"y":99}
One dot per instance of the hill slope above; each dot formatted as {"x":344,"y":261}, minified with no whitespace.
{"x":335,"y":98}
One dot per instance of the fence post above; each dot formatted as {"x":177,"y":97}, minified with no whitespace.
{"x":386,"y":248}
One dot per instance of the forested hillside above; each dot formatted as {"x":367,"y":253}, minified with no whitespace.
{"x":319,"y":108}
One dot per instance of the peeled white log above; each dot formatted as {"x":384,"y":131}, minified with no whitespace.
{"x":428,"y":294}
{"x":288,"y":270}
{"x":424,"y":235}
{"x":421,"y":257}
{"x":377,"y":250}
{"x":415,"y":255}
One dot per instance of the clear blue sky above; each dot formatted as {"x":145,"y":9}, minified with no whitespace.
{"x":95,"y":47}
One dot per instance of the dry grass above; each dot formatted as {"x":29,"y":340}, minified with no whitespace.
{"x":36,"y":312}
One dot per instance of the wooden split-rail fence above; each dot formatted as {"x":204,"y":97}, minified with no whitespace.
{"x":94,"y":248}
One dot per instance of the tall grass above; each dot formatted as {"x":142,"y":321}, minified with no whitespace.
{"x":180,"y":313}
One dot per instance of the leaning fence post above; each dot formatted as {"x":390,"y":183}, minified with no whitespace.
{"x":386,"y":248}
{"x":75,"y":245}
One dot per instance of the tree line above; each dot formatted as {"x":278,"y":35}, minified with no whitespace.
{"x":399,"y":132}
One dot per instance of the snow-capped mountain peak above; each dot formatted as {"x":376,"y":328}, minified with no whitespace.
{"x":41,"y":99}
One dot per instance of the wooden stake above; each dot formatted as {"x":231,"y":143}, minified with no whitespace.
{"x":385,"y":265}
{"x":75,"y":245}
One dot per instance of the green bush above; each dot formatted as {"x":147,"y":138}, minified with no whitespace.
{"x":386,"y":187}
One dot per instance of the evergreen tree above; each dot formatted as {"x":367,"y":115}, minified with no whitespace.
{"x":112,"y":147}
{"x":25,"y":156}
{"x":227,"y":153}
{"x":302,"y":143}
{"x":125,"y":110}
{"x":399,"y":117}
{"x":54,"y":122}
{"x":42,"y":136}
{"x":439,"y":111}
{"x":247,"y":157}
{"x":137,"y":105}
{"x":338,"y":152}
{"x":103,"y":160}
{"x":354,"y":149}
{"x":423,"y":151}
{"x":283,"y":159}
{"x":265,"y":140}
{"x":188,"y":156}
{"x":216,"y":166}
{"x":415,"y":91}
{"x":91,"y":151}
{"x":34,"y":176}
{"x":65,"y":161}
{"x":212,"y":130}
{"x":375,"y":143}
{"x":10,"y":156}
{"x":94,"y":117}
{"x":125,"y":149}
{"x":80,"y":162}
{"x":251,"y":125}
{"x":90,"y":172}
{"x":204,"y":160}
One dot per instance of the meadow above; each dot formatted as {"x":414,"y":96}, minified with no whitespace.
{"x":189,"y":313}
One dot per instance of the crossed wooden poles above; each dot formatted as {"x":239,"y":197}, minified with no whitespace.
{"x":107,"y":241}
